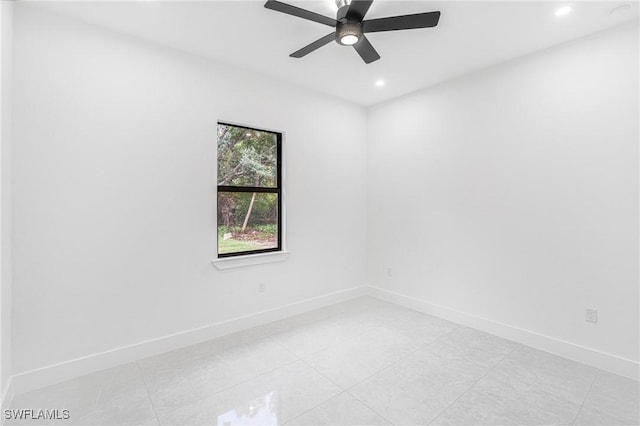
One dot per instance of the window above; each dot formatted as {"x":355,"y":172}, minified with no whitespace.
{"x":249,"y":190}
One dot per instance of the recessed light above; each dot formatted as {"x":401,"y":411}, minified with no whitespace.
{"x":380,"y":83}
{"x":563,"y":10}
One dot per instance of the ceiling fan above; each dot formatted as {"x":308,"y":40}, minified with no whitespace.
{"x":351,"y":27}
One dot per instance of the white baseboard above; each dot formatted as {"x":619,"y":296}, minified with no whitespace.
{"x":605,"y":361}
{"x":45,"y":376}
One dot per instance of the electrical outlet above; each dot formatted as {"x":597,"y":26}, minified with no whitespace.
{"x":261,"y":288}
{"x":591,"y":315}
{"x":389,"y":271}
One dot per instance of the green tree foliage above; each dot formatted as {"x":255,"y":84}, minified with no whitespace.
{"x":246,"y":158}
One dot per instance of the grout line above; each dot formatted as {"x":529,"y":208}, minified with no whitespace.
{"x":146,"y":387}
{"x":342,"y":389}
{"x":585,"y":396}
{"x":370,"y":408}
{"x":367,"y":405}
{"x":475,"y":383}
{"x":305,"y":362}
{"x":301,"y":359}
{"x":373,"y":330}
{"x":296,"y":358}
{"x":386,"y":368}
{"x":316,"y":370}
{"x":289,"y":421}
{"x":209,"y":395}
{"x":323,"y":348}
{"x":396,"y":361}
{"x":371,"y":375}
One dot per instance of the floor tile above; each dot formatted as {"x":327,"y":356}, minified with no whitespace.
{"x":362,"y":308}
{"x":146,"y":422}
{"x":419,"y":387}
{"x":612,"y":396}
{"x":343,"y":409}
{"x":362,"y":361}
{"x":179,"y":377}
{"x":500,"y":399}
{"x":483,"y":348}
{"x":254,"y":333}
{"x":272,"y":398}
{"x":349,"y":363}
{"x":114,"y":396}
{"x":591,"y":417}
{"x":421,"y":329}
{"x":553,"y":374}
{"x":313,"y":337}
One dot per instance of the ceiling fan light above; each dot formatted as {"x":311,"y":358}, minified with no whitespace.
{"x":349,"y":39}
{"x":348,"y":33}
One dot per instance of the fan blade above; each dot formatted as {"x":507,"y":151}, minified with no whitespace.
{"x":314,"y":46}
{"x":358,"y":9}
{"x":404,"y":22}
{"x":366,"y":50}
{"x":300,"y":13}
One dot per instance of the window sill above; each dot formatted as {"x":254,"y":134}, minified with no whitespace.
{"x":250,"y":260}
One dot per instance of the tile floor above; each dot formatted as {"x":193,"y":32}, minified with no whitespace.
{"x":362,"y":362}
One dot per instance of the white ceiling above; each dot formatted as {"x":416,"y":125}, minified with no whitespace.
{"x":470,"y":36}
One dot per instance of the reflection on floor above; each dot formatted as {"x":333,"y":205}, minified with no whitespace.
{"x":361,"y":362}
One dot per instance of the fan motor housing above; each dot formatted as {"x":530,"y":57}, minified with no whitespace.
{"x":341,"y":15}
{"x":348,"y":28}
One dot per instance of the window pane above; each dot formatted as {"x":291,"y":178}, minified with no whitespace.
{"x":247,"y":221}
{"x":246,"y":157}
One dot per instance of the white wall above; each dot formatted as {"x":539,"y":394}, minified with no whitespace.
{"x":6,"y":44}
{"x":512,"y":194}
{"x":114,"y":191}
